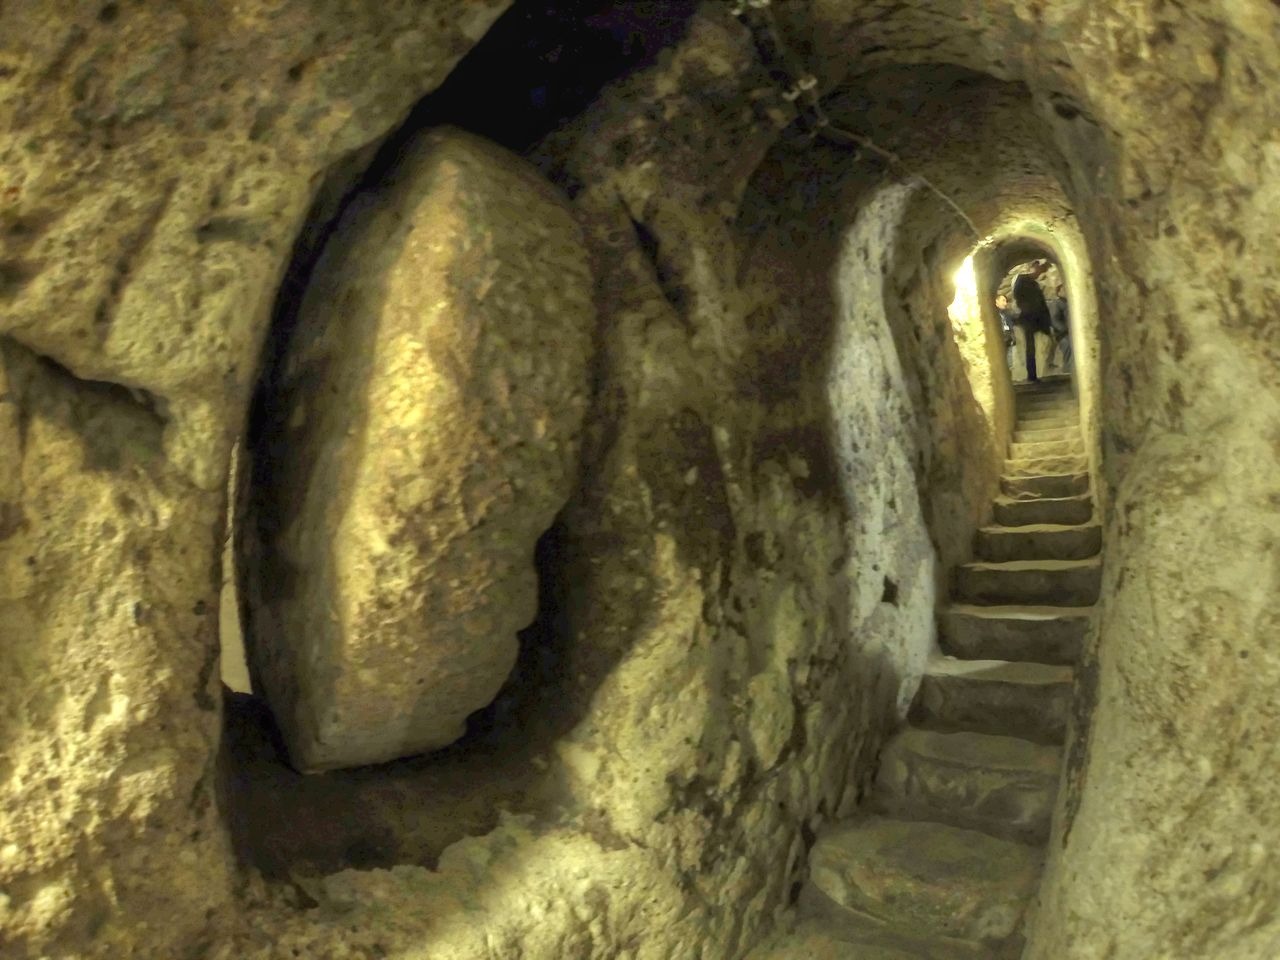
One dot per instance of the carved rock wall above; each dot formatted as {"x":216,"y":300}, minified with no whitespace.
{"x":156,"y":162}
{"x":740,"y":599}
{"x":719,"y":693}
{"x":1167,"y":150}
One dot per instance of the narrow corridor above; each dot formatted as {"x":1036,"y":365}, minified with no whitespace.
{"x":944,"y":859}
{"x":635,"y":541}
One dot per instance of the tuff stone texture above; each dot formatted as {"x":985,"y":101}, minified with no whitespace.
{"x":156,"y":164}
{"x":1063,"y":511}
{"x":1069,"y":583}
{"x":1046,"y":634}
{"x":1042,"y":418}
{"x":1031,"y":449}
{"x":678,"y":739}
{"x":982,"y":753}
{"x":1045,"y":466}
{"x":159,"y":163}
{"x":814,"y":940}
{"x":1026,"y":699}
{"x":108,"y":706}
{"x":1038,"y":433}
{"x":1044,"y":485}
{"x":943,"y":880}
{"x":1031,"y":541}
{"x":1001,"y":784}
{"x":423,"y":432}
{"x":716,"y":266}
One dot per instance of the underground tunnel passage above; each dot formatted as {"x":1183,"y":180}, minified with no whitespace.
{"x":697,"y":304}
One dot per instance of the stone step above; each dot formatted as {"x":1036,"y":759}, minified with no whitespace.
{"x":1042,"y":466}
{"x":827,"y":935}
{"x":1048,"y":397}
{"x":1071,"y":432}
{"x":1004,"y":786}
{"x":1041,"y":391}
{"x":1046,"y":421}
{"x":1065,"y":406}
{"x":1045,"y":485}
{"x":1047,"y":384}
{"x":1044,"y":396}
{"x":1038,"y":541}
{"x":1032,"y":449}
{"x":1039,"y":633}
{"x":1068,"y":583}
{"x":1028,"y":700}
{"x":928,"y":878}
{"x":1064,"y":511}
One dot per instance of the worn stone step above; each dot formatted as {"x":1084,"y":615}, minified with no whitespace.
{"x":1036,"y":435}
{"x":1045,"y":485}
{"x":1014,"y":632}
{"x":1028,"y":700}
{"x":831,"y":932}
{"x":1046,"y":421}
{"x":1043,"y":466}
{"x":928,"y":878}
{"x":1041,"y":395}
{"x":1049,"y":384}
{"x":1038,"y":541}
{"x":1039,"y":425}
{"x":1047,"y":406}
{"x":1065,"y":411}
{"x":1002,"y":785}
{"x":1065,"y":511}
{"x":1066,"y":583}
{"x":1045,"y":448}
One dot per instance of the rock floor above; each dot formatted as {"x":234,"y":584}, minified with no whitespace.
{"x":945,"y":857}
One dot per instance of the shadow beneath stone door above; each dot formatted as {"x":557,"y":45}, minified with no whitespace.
{"x":285,"y":823}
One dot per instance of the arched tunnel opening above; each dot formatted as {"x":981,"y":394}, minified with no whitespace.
{"x":648,"y":541}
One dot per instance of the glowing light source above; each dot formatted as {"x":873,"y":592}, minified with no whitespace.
{"x":964,"y":308}
{"x":970,"y":335}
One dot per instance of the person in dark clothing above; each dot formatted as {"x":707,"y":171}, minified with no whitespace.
{"x":1060,"y":326}
{"x":1008,"y":316}
{"x":1033,"y":312}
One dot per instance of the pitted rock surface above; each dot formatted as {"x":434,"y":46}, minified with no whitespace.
{"x":157,"y":162}
{"x":739,"y":588}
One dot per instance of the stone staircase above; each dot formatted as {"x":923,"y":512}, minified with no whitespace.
{"x":945,"y":856}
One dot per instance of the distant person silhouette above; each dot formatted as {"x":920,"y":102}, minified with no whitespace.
{"x":1008,"y":317}
{"x":1060,"y":324}
{"x":1033,"y":311}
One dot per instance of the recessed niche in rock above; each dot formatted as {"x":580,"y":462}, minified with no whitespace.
{"x":420,"y":430}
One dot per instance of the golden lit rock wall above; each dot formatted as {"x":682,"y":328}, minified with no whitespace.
{"x":156,"y":162}
{"x":724,"y":699}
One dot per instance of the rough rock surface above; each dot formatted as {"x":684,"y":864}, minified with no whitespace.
{"x":947,"y":881}
{"x":737,"y":601}
{"x":713,"y":699}
{"x":421,"y":432}
{"x":156,"y":164}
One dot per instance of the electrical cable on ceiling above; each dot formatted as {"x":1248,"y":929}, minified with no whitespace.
{"x":800,"y":87}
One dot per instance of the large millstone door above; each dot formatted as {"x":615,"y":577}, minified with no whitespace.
{"x":419,"y":431}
